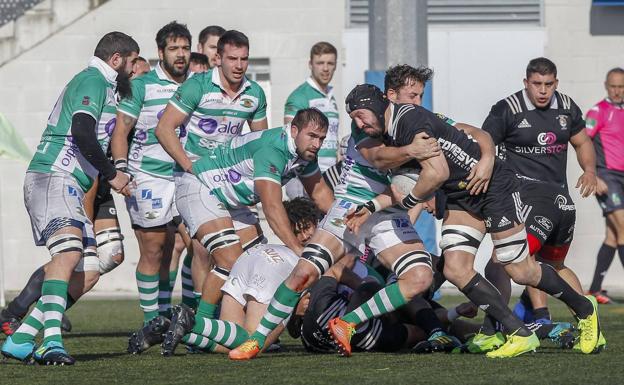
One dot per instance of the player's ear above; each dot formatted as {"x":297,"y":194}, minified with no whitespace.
{"x":294,"y":130}
{"x":526,"y":83}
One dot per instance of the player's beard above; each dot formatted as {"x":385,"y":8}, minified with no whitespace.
{"x":171,"y":69}
{"x":123,"y":84}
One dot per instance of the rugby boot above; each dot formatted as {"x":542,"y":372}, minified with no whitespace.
{"x":182,"y":323}
{"x":437,"y":342}
{"x":246,"y":351}
{"x":149,"y":335}
{"x":515,"y":346}
{"x":590,"y":329}
{"x":481,"y":343}
{"x":341,"y":332}
{"x":53,"y":353}
{"x":21,"y":352}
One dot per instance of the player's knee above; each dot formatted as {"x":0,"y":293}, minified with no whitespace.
{"x":460,"y":238}
{"x":414,"y":268}
{"x":219,"y":240}
{"x":319,"y":256}
{"x":511,"y":249}
{"x":91,"y":278}
{"x":303,"y":275}
{"x":110,"y":251}
{"x":524,"y":272}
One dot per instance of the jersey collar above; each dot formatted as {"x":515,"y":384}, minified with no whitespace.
{"x":107,"y":71}
{"x":162,"y":75}
{"x":530,"y":107}
{"x":217,"y":81}
{"x":312,"y":83}
{"x":616,"y":105}
{"x":290,"y":141}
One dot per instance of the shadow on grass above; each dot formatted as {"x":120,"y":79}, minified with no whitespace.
{"x":98,"y":356}
{"x":98,"y":334}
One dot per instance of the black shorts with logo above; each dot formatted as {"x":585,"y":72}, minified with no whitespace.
{"x":614,"y":199}
{"x":500,"y":207}
{"x":550,"y":214}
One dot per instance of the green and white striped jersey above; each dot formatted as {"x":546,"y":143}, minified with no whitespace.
{"x":92,"y":91}
{"x":214,"y":117}
{"x":359,"y":180}
{"x":309,"y":95}
{"x":231,"y":170}
{"x":150,"y":95}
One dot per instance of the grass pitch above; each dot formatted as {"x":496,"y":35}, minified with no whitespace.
{"x":101,"y":328}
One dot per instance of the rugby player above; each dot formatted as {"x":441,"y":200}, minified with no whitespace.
{"x":605,"y":125}
{"x":532,"y":128}
{"x":199,"y":62}
{"x":214,"y":106}
{"x":467,"y":218}
{"x":140,"y":67}
{"x":207,"y":43}
{"x":67,"y":161}
{"x":150,"y":203}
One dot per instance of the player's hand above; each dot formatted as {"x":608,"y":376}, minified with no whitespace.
{"x":467,"y":309}
{"x":587,"y":184}
{"x":121,"y":183}
{"x":356,"y":217}
{"x":480,"y":175}
{"x":424,"y":147}
{"x":601,"y":186}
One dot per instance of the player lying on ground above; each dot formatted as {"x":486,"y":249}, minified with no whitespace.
{"x":247,"y":291}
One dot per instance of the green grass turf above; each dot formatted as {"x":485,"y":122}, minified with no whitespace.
{"x":101,"y":327}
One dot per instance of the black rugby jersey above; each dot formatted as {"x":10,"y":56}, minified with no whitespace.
{"x":535,"y":141}
{"x":461,"y":151}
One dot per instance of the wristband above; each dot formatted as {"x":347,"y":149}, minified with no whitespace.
{"x":410,"y":201}
{"x":372,"y":206}
{"x":121,"y":165}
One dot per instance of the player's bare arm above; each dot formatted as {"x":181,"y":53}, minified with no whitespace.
{"x":383,"y":157}
{"x":318,"y":190}
{"x":586,"y":157}
{"x":481,"y":173}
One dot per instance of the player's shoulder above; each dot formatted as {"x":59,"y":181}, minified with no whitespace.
{"x":254,"y":88}
{"x":512,"y":104}
{"x":89,"y":77}
{"x":567,"y":103}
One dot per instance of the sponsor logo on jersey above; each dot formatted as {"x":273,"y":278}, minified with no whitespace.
{"x":504,"y":222}
{"x":112,"y":211}
{"x":86,"y":101}
{"x":544,"y":222}
{"x":537,"y":230}
{"x":157,"y":203}
{"x":181,"y":131}
{"x":151,"y":215}
{"x":563,"y":121}
{"x":109,"y":127}
{"x":338,"y":222}
{"x":71,"y":153}
{"x":546,"y":138}
{"x":344,"y":204}
{"x":72,"y":191}
{"x":146,"y":194}
{"x":462,"y":185}
{"x":247,"y":103}
{"x":160,"y":114}
{"x":401,"y":223}
{"x":524,"y":124}
{"x":273,"y":256}
{"x":457,"y":154}
{"x":273,"y":169}
{"x":615,"y":197}
{"x":488,"y":222}
{"x":562,"y":203}
{"x":141,"y":135}
{"x":207,"y":125}
{"x":234,"y":176}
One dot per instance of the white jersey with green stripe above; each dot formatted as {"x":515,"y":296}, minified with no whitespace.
{"x":359,"y":180}
{"x":269,"y":155}
{"x":150,"y":95}
{"x":214,"y":117}
{"x":92,"y":91}
{"x":309,"y":95}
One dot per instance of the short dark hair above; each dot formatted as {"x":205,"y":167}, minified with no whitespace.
{"x":302,"y":213}
{"x":115,"y":42}
{"x":402,"y":74}
{"x":232,"y":37}
{"x":199,"y":58}
{"x":542,"y":66}
{"x":211,"y":30}
{"x":310,"y":115}
{"x":173,"y":30}
{"x":616,"y":70}
{"x":321,"y":48}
